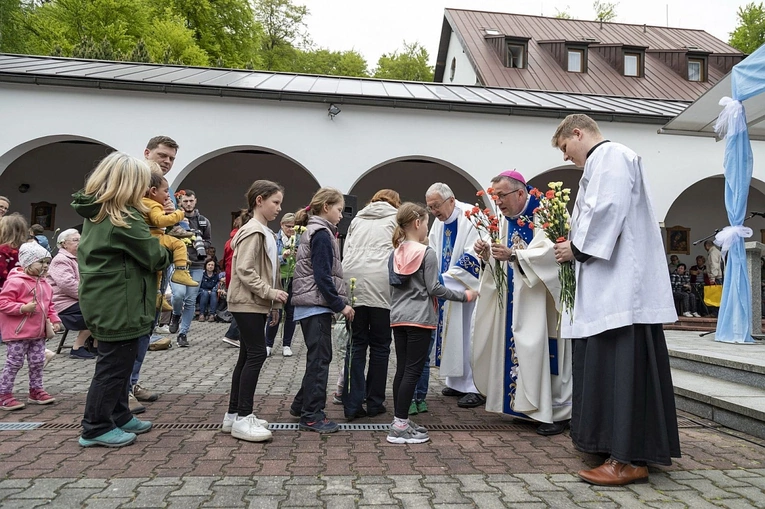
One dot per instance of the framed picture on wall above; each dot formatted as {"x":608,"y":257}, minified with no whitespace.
{"x":44,"y":214}
{"x":678,"y":240}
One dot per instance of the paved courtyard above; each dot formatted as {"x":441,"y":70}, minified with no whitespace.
{"x":474,"y":459}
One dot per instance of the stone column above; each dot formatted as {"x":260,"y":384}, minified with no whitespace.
{"x":753,"y":253}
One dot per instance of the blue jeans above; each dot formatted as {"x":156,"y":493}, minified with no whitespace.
{"x":208,"y":299}
{"x":421,"y":390}
{"x":185,"y":300}
{"x":143,"y":347}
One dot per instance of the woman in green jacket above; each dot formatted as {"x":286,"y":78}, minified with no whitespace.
{"x":118,"y":261}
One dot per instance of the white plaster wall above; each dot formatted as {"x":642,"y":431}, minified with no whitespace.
{"x":463,"y":73}
{"x":336,"y":152}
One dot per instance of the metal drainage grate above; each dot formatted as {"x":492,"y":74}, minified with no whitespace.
{"x":19,"y":426}
{"x":682,"y":422}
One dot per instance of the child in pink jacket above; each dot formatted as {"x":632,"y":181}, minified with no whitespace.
{"x":26,"y":301}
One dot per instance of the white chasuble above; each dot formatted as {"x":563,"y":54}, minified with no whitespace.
{"x":453,"y":240}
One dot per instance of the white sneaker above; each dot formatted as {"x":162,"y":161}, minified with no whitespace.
{"x":687,"y":314}
{"x":287,"y":351}
{"x":249,"y":428}
{"x":696,"y":315}
{"x":229,"y":419}
{"x":232,"y":342}
{"x":268,"y":351}
{"x":164,"y":329}
{"x":49,"y":354}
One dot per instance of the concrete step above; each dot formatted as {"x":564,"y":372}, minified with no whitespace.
{"x":703,"y":324}
{"x":731,"y":404}
{"x":741,"y":364}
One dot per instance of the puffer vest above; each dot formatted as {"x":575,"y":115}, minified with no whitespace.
{"x":305,"y":292}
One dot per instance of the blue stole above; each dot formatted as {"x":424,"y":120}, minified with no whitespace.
{"x":447,"y":249}
{"x":511,"y":359}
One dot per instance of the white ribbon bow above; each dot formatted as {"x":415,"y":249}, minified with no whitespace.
{"x":731,"y":118}
{"x":729,"y":234}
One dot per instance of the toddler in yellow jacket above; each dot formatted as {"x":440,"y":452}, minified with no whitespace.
{"x":157,"y":220}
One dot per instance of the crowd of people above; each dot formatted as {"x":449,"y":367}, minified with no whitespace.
{"x":429,"y":287}
{"x":688,"y":285}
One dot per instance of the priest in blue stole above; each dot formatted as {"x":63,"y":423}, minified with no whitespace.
{"x":452,"y":235}
{"x":519,"y":363}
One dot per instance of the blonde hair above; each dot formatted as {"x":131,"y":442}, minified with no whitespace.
{"x":118,"y":183}
{"x":14,"y":230}
{"x":576,"y":121}
{"x":289,"y":217}
{"x":407,"y":213}
{"x":389,"y":196}
{"x":324,"y":196}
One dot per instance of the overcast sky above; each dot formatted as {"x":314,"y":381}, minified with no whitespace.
{"x":377,"y":27}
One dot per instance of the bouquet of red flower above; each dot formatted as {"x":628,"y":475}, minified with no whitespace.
{"x":553,"y":218}
{"x":486,"y":221}
{"x":180,"y":194}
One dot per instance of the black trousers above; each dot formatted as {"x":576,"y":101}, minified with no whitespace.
{"x":106,"y":406}
{"x":371,"y":331}
{"x":312,"y":396}
{"x":411,"y":352}
{"x":252,"y":355}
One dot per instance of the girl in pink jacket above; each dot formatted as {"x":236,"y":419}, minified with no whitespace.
{"x":26,"y":303}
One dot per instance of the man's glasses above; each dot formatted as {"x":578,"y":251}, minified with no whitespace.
{"x":502,"y":196}
{"x":436,"y":207}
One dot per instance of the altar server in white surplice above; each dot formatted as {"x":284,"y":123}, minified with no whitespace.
{"x":623,"y":399}
{"x":519,"y":363}
{"x":453,"y":236}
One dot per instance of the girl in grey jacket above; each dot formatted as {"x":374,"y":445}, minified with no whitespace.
{"x":415,"y":290}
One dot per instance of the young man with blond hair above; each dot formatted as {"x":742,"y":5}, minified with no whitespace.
{"x":623,"y":400}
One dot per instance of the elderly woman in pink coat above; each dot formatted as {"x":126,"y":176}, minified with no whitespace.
{"x":64,"y":278}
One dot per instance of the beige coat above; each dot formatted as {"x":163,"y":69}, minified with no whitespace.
{"x":250,"y":289}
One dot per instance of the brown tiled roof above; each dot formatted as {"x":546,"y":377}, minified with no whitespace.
{"x":543,"y":72}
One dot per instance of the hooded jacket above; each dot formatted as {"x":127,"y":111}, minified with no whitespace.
{"x":118,"y":273}
{"x":19,"y":289}
{"x":253,"y":287}
{"x":366,"y":252}
{"x":415,"y":288}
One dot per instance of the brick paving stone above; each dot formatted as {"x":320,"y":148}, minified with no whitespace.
{"x":538,"y":482}
{"x":376,"y":494}
{"x":150,"y":496}
{"x":720,"y":479}
{"x":693,"y":500}
{"x":446,"y":493}
{"x":473,"y":483}
{"x":406,"y":500}
{"x":648,"y":493}
{"x":755,"y":495}
{"x":581,"y":493}
{"x":194,"y":487}
{"x":185,"y":502}
{"x":707,"y":489}
{"x":75,"y":497}
{"x":228,"y":496}
{"x":409,"y":484}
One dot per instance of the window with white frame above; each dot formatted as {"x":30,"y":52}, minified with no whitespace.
{"x":632,"y":64}
{"x":695,"y":69}
{"x":575,"y":60}
{"x":516,"y":55}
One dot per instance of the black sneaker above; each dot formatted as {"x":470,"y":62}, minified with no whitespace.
{"x":324,"y":426}
{"x":175,"y":321}
{"x":182,"y":340}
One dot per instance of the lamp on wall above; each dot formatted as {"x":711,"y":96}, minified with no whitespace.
{"x":23,"y":188}
{"x":332,"y":111}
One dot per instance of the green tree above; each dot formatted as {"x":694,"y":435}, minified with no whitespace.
{"x":331,"y":63}
{"x":12,"y":37}
{"x":140,"y":53}
{"x":604,"y":11}
{"x":225,"y":29}
{"x":564,"y":14}
{"x":749,"y":34}
{"x":410,"y":64}
{"x":284,"y":32}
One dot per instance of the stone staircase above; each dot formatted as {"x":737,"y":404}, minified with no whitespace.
{"x":704,"y":324}
{"x":721,"y":382}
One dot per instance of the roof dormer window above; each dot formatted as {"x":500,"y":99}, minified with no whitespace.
{"x":516,"y":54}
{"x":575,"y":60}
{"x":633,"y":64}
{"x":697,"y":68}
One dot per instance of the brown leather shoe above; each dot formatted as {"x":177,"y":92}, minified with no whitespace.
{"x":614,"y":473}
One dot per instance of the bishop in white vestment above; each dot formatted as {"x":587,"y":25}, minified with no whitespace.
{"x":452,"y":236}
{"x":519,"y":363}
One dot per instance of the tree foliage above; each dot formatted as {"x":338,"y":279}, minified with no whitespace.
{"x":410,"y":64}
{"x":564,"y":14}
{"x":604,"y":11}
{"x":749,"y":34}
{"x":250,"y":34}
